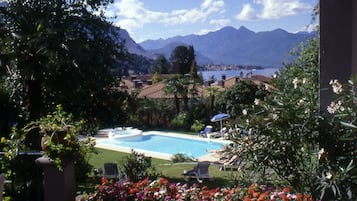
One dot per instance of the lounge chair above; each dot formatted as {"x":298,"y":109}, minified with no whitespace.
{"x":200,"y":171}
{"x":205,"y":131}
{"x":111,"y":171}
{"x":230,"y":163}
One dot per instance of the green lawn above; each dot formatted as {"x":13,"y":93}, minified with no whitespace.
{"x":171,"y":171}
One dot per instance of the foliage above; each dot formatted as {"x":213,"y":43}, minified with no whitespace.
{"x":162,"y":189}
{"x":179,"y":121}
{"x":197,"y":126}
{"x":182,"y":58}
{"x":233,"y":100}
{"x":60,"y":137}
{"x":213,"y":92}
{"x":160,"y":65}
{"x":180,"y":157}
{"x":136,"y":167}
{"x":156,"y":78}
{"x":338,"y":152}
{"x":51,"y":52}
{"x":181,"y":87}
{"x":282,"y":129}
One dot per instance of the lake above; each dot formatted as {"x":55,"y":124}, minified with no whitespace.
{"x":235,"y":73}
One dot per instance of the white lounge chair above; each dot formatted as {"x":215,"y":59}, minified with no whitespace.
{"x":200,"y":171}
{"x":207,"y":130}
{"x":231,"y":163}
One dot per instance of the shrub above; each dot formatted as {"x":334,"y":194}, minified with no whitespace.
{"x":197,"y":126}
{"x":180,"y":157}
{"x":179,"y":121}
{"x":282,"y":129}
{"x":136,"y":166}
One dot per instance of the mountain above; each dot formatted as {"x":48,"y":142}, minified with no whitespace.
{"x":131,"y":45}
{"x":234,"y":46}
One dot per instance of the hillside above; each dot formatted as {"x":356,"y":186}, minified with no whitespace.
{"x":234,"y":46}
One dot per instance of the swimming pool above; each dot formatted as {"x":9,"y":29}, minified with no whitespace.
{"x":164,"y":144}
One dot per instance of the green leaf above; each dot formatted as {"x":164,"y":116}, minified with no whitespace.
{"x":348,"y":124}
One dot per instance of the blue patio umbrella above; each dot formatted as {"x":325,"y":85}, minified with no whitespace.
{"x":219,"y":117}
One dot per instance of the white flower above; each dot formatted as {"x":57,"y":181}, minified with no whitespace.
{"x":266,"y":87}
{"x":245,"y":112}
{"x":275,"y":75}
{"x":274,"y":116}
{"x":336,"y":86}
{"x":328,"y":175}
{"x":335,"y":107}
{"x":304,"y":80}
{"x":301,"y":101}
{"x":257,"y":101}
{"x":321,"y":151}
{"x":295,"y":82}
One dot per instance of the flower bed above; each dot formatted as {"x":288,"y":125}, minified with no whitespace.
{"x":161,"y":189}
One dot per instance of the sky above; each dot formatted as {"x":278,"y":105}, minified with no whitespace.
{"x":155,"y":19}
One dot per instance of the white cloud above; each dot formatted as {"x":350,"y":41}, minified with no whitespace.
{"x":220,"y":22}
{"x":247,"y":13}
{"x":136,"y":15}
{"x":273,"y":9}
{"x":309,"y":28}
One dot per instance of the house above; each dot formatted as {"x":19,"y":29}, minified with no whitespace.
{"x":147,"y":89}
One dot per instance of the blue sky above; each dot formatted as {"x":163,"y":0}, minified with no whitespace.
{"x":154,"y":19}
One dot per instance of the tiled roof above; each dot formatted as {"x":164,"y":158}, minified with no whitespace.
{"x":156,"y":90}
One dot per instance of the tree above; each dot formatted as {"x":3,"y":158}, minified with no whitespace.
{"x":181,"y":87}
{"x":160,"y":65}
{"x":213,"y":91}
{"x":182,"y":59}
{"x":233,"y":100}
{"x":60,"y":52}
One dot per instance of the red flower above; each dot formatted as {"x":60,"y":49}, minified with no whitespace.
{"x":163,"y":181}
{"x":286,"y":189}
{"x":104,"y":180}
{"x":263,"y":196}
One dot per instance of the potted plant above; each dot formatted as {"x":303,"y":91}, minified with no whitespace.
{"x":59,"y":140}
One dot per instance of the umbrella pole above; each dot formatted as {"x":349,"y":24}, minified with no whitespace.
{"x":221,"y":128}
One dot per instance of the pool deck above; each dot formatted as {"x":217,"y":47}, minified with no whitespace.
{"x":208,"y":157}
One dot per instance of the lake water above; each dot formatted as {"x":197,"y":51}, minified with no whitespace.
{"x":235,"y":73}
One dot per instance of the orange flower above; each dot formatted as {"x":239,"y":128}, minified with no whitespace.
{"x":308,"y":198}
{"x":255,"y":194}
{"x":251,"y":189}
{"x":299,"y":197}
{"x":104,"y":180}
{"x":286,"y":189}
{"x":247,"y":198}
{"x":263,"y":196}
{"x":163,"y":181}
{"x":132,"y":191}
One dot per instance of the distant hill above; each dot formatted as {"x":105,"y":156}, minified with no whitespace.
{"x":234,"y":46}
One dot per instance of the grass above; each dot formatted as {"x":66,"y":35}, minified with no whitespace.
{"x":165,"y":168}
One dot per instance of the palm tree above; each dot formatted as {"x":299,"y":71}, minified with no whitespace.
{"x":212,"y":93}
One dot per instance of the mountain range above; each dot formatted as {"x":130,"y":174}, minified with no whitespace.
{"x":227,"y":46}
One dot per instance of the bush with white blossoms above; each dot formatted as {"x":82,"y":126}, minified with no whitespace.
{"x":338,"y":143}
{"x":293,"y":142}
{"x":282,"y":145}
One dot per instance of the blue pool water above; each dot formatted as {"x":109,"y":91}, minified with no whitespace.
{"x":165,"y":144}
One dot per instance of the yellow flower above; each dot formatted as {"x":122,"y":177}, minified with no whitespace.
{"x":3,"y":139}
